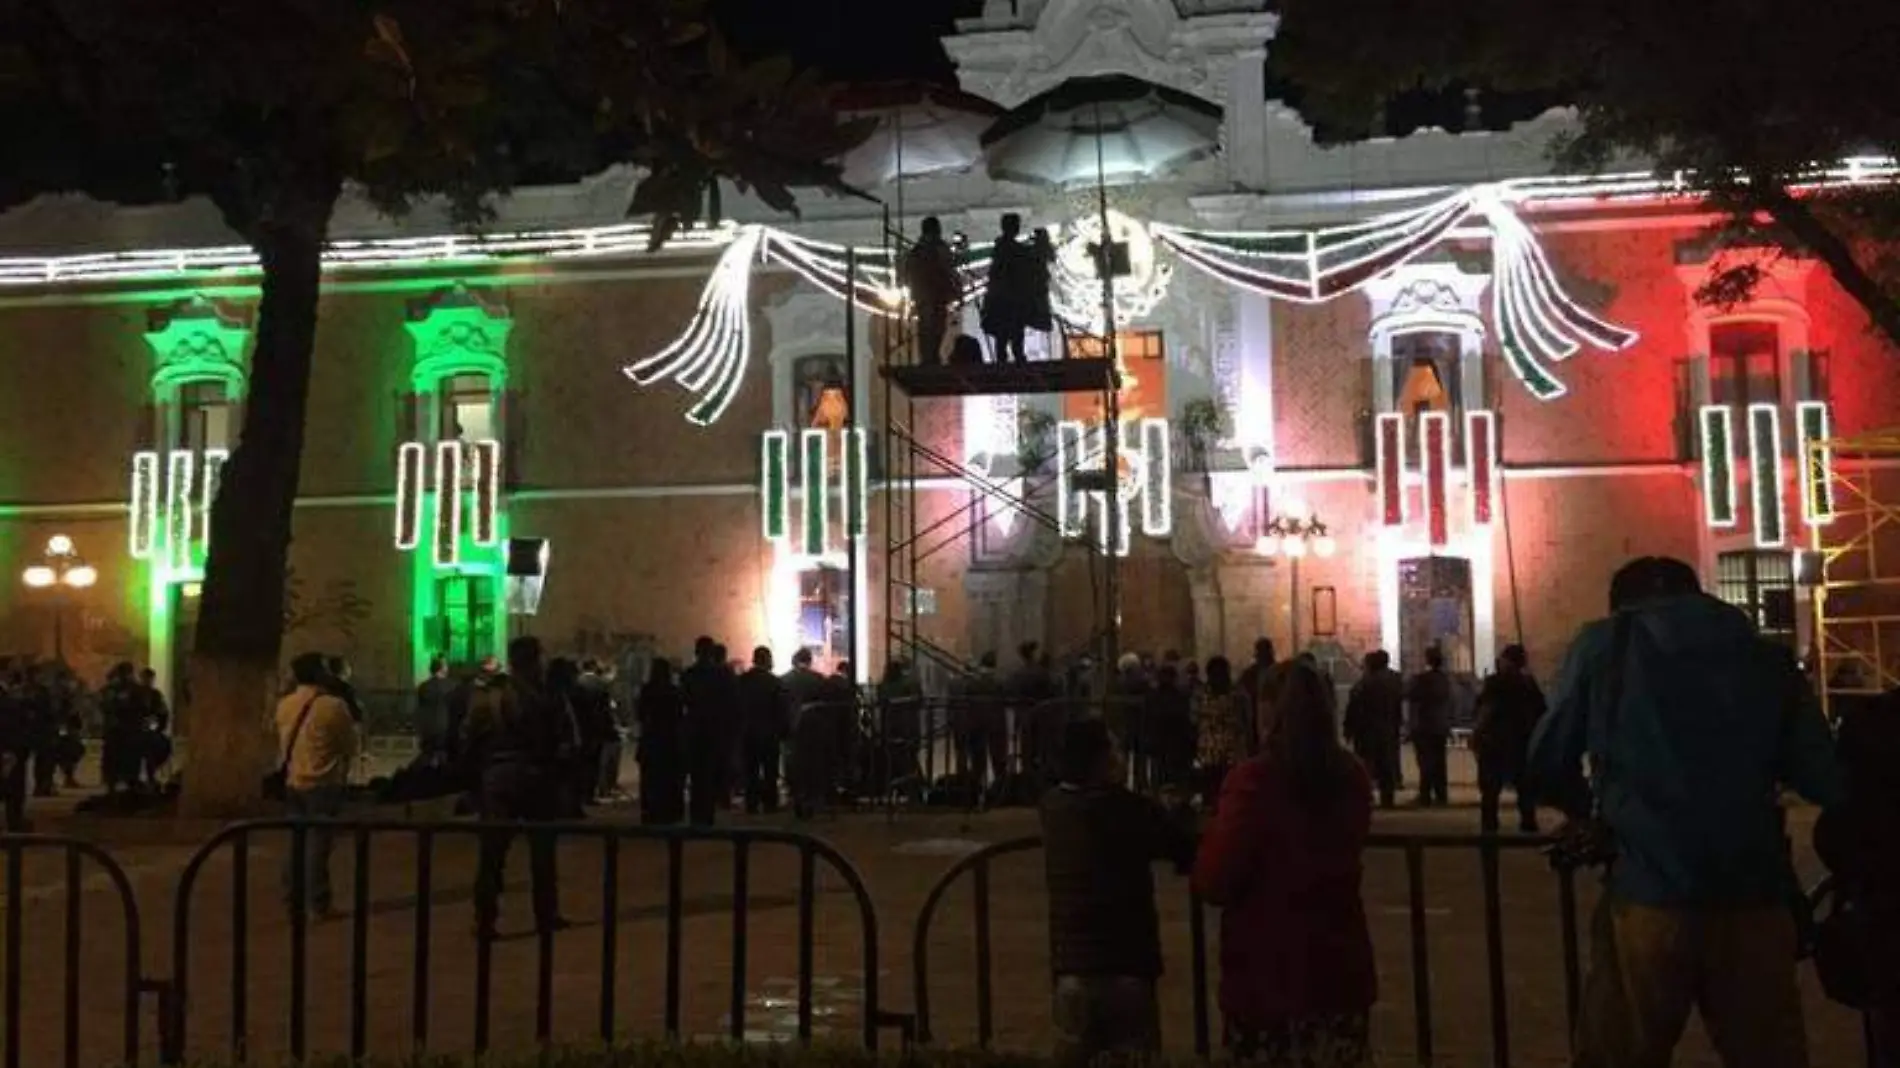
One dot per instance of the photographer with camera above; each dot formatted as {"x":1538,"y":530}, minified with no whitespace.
{"x":1691,"y":722}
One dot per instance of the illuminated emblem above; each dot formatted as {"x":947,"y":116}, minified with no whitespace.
{"x":1076,"y":289}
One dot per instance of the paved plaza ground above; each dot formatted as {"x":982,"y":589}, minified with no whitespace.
{"x":900,"y":858}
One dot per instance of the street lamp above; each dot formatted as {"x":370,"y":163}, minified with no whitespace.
{"x":60,"y":569}
{"x":1293,"y":538}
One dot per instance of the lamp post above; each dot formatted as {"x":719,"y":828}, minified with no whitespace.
{"x":1292,"y":537}
{"x":60,"y":569}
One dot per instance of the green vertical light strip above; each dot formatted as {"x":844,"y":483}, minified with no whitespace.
{"x":412,"y":480}
{"x":774,"y":458}
{"x":1817,"y":463}
{"x":1718,"y":466}
{"x":210,"y":473}
{"x":812,"y":448}
{"x":856,"y":483}
{"x":448,"y":503}
{"x":1764,"y":459}
{"x":484,"y":530}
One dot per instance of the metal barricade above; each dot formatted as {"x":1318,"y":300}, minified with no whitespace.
{"x":113,"y":1021}
{"x":359,"y":836}
{"x":1413,"y":849}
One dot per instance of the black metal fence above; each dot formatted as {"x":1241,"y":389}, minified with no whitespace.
{"x":1414,"y":850}
{"x":100,"y":995}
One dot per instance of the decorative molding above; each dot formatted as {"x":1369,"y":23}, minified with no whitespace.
{"x":195,"y":340}
{"x":1421,"y":296}
{"x":459,"y":330}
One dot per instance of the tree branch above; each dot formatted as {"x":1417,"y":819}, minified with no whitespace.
{"x":1833,"y":250}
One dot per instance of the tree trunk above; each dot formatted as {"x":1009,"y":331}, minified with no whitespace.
{"x":1833,"y":250}
{"x":241,"y":618}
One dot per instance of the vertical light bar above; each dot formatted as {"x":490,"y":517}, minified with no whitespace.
{"x":144,"y":519}
{"x":1764,"y":461}
{"x":210,"y":475}
{"x":1435,"y":432}
{"x":178,"y":509}
{"x":1389,"y":452}
{"x":1718,"y":466}
{"x":1070,"y":436}
{"x":448,"y":503}
{"x":1481,"y":451}
{"x":412,"y":474}
{"x":1817,"y":463}
{"x":485,"y":529}
{"x":813,"y":450}
{"x":774,"y":459}
{"x":1157,"y":483}
{"x":857,"y":483}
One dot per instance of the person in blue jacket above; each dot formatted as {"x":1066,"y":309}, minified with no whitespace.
{"x":1686,"y":770}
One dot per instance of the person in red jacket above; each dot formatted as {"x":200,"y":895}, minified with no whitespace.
{"x":1282,"y":860}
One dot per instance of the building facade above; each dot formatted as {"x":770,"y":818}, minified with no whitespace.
{"x":692,"y":466}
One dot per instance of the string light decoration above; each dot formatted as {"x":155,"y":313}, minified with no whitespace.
{"x":1812,"y":423}
{"x":484,"y":530}
{"x":1718,"y":466}
{"x":412,"y":471}
{"x":1538,"y":324}
{"x":857,"y":483}
{"x":1389,"y":450}
{"x":709,"y":360}
{"x":1481,"y":448}
{"x":448,"y":503}
{"x":1434,"y":430}
{"x":1764,"y":460}
{"x":1157,"y":491}
{"x":1070,"y":434}
{"x":774,"y":460}
{"x":179,"y":524}
{"x":814,"y":462}
{"x":143,"y":524}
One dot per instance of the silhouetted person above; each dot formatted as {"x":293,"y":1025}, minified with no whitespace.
{"x":711,"y":692}
{"x":1375,"y":718}
{"x":342,"y":683}
{"x":1101,"y":840}
{"x":1169,"y":726}
{"x":15,"y":747}
{"x":930,"y":272}
{"x":764,"y":723}
{"x":432,"y":710}
{"x":1691,"y":722}
{"x":813,"y":765}
{"x":1509,"y":706}
{"x":980,"y":724}
{"x":121,"y":714}
{"x":516,"y":729}
{"x":661,"y":750}
{"x":1429,"y":696}
{"x":1223,"y":729}
{"x":1009,"y":299}
{"x":155,"y":743}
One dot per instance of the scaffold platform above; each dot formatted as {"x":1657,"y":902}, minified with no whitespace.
{"x":988,"y":379}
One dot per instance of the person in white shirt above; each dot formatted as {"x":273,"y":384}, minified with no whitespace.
{"x":316,"y":741}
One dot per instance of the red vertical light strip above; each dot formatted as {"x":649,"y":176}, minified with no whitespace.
{"x":1434,"y":430}
{"x":1389,"y":447}
{"x":1481,"y":445}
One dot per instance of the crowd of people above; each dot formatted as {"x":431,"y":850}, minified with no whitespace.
{"x":1690,"y":725}
{"x":46,"y":714}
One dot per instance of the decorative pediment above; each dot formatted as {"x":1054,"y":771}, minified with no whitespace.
{"x":458,"y":330}
{"x":1427,"y":296}
{"x":195,"y":340}
{"x":1002,"y":60}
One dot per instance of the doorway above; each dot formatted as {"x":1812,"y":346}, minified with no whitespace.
{"x":824,"y":615}
{"x":1435,"y":608}
{"x":463,"y":627}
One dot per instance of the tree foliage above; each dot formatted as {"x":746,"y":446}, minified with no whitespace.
{"x":272,"y":109}
{"x":1745,"y":96}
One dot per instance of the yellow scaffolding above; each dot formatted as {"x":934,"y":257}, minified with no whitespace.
{"x":1856,"y":600}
